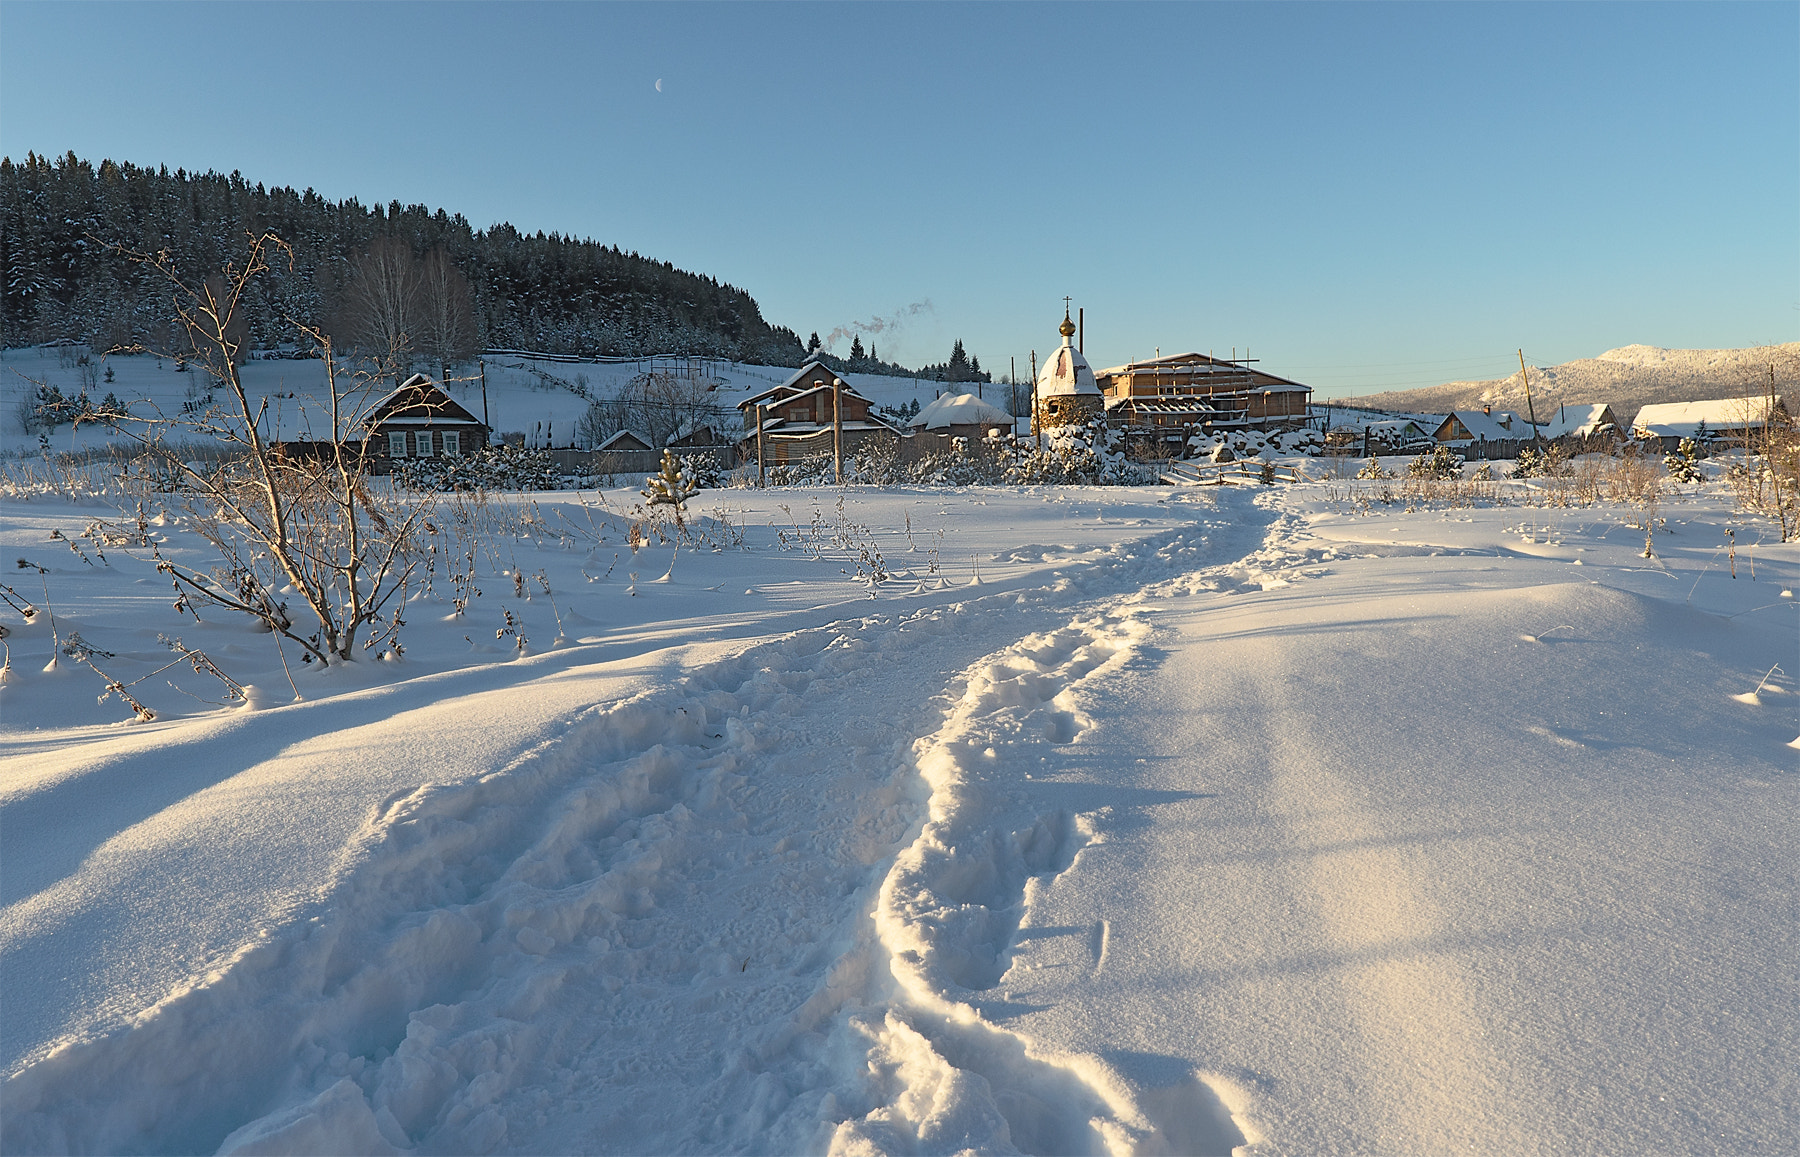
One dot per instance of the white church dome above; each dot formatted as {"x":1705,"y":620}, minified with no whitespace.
{"x":1065,"y":371}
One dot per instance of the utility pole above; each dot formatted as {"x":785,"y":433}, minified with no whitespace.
{"x":1036,"y":427}
{"x":761,"y":477}
{"x":1530,"y":410}
{"x":837,"y":429}
{"x":484,"y":414}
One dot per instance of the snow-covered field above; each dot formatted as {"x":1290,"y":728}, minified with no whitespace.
{"x":1171,"y":820}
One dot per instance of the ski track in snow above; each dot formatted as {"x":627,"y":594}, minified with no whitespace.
{"x":689,"y":890}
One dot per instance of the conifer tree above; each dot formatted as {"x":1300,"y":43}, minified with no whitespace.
{"x":671,"y":486}
{"x":856,"y":348}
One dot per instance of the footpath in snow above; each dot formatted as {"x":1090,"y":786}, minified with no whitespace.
{"x":1245,"y":823}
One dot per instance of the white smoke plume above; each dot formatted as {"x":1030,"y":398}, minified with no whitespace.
{"x":877,"y":325}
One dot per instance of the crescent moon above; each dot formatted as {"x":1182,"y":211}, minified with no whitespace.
{"x":659,"y":84}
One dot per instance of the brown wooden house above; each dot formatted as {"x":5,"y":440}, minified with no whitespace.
{"x":419,"y":420}
{"x":798,"y":417}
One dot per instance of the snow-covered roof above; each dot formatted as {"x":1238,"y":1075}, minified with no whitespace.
{"x":767,"y":397}
{"x":959,"y":410}
{"x":1578,"y":421}
{"x":1065,"y":371}
{"x":809,"y":371}
{"x":782,"y":429}
{"x":1682,"y":419}
{"x":624,"y":440}
{"x":1175,"y":404}
{"x":849,"y":392}
{"x":1204,"y":366}
{"x":418,"y":401}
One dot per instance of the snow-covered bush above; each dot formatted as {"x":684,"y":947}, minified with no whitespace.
{"x":954,"y":465}
{"x":502,"y":467}
{"x":1547,"y":462}
{"x":1087,"y":454}
{"x":1373,"y":469}
{"x":1441,"y":463}
{"x":706,"y":469}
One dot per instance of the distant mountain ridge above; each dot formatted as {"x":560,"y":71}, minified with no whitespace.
{"x":1626,"y":378}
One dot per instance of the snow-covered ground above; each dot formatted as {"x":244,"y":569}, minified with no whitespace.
{"x":1170,"y":820}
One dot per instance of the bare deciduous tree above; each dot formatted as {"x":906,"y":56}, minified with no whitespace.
{"x":658,"y":406}
{"x":378,"y":316}
{"x":446,"y":314}
{"x":280,"y":517}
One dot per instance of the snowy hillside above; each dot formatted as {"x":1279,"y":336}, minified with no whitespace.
{"x":1171,"y":820}
{"x":532,"y":397}
{"x":1627,"y":377}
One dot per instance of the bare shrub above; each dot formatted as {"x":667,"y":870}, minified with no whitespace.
{"x":309,"y":524}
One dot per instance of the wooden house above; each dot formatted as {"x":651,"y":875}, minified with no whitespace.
{"x":800,"y":418}
{"x":1582,"y":423}
{"x":1486,"y":433}
{"x":1200,"y":393}
{"x":419,"y":420}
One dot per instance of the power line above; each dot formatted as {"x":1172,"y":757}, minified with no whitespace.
{"x":1384,"y":365}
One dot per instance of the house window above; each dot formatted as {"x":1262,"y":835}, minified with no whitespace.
{"x":423,"y":441}
{"x":452,"y":442}
{"x":396,"y":444}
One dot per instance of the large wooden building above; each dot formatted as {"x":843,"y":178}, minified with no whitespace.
{"x":800,"y":420}
{"x":1197,"y":393}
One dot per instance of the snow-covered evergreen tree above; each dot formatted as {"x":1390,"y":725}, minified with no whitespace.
{"x":1684,"y":464}
{"x":671,"y":486}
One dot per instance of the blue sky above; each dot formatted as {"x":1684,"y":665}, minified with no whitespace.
{"x":1366,"y":196}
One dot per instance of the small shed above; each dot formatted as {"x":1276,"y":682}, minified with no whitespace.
{"x":962,"y":416}
{"x":700,"y":438}
{"x":419,"y":420}
{"x":623,"y":440}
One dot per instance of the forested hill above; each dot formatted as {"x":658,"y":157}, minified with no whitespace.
{"x":62,"y":278}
